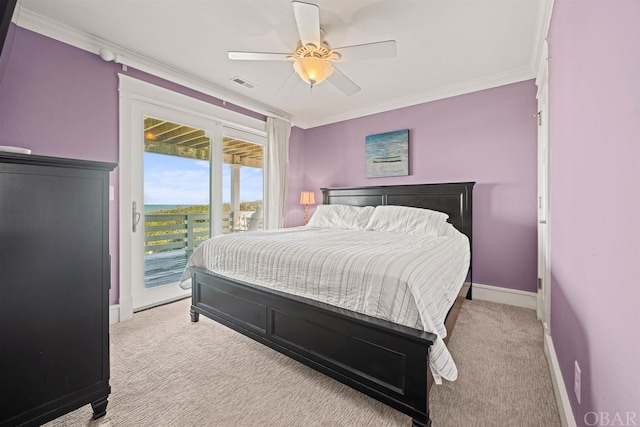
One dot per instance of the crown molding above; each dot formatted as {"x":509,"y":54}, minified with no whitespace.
{"x":535,"y":70}
{"x":50,"y":28}
{"x":489,"y":82}
{"x":55,"y":30}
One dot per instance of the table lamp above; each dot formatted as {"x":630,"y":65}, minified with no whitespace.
{"x":306,"y":199}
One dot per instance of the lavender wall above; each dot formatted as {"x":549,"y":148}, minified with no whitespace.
{"x":61,"y":101}
{"x":295,"y":213}
{"x":595,"y":204}
{"x":488,"y":137}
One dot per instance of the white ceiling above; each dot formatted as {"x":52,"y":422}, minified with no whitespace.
{"x":445,"y":47}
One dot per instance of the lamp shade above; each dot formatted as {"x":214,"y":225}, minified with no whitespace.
{"x":312,"y":70}
{"x":307,"y":198}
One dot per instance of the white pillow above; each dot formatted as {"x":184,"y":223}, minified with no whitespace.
{"x":341,"y":216}
{"x":403,"y":219}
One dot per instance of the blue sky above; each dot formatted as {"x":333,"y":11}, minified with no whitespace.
{"x":171,"y":180}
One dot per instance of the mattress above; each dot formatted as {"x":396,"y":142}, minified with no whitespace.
{"x":407,"y":279}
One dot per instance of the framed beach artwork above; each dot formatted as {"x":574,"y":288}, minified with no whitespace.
{"x":388,"y":154}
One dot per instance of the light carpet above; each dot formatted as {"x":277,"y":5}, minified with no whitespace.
{"x":168,"y":371}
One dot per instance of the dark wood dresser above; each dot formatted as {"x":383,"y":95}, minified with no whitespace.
{"x":54,"y":287}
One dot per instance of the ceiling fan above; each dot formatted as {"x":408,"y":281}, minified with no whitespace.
{"x":313,"y":59}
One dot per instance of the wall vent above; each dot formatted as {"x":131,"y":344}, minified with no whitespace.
{"x":243,"y":82}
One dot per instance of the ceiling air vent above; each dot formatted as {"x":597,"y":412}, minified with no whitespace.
{"x":243,"y":82}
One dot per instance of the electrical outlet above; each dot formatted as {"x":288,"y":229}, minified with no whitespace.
{"x":577,"y":380}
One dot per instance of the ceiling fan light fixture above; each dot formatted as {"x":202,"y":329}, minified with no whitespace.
{"x":312,"y":70}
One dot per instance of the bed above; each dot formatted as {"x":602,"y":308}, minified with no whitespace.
{"x":386,"y":360}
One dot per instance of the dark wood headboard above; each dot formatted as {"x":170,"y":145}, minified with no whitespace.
{"x":454,"y":199}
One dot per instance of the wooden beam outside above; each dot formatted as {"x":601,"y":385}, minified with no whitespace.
{"x":151,"y":123}
{"x":183,"y":141}
{"x":162,"y":129}
{"x":181,"y":133}
{"x":191,"y":140}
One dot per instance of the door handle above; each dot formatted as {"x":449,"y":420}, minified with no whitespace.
{"x":135,"y":216}
{"x":542,"y":221}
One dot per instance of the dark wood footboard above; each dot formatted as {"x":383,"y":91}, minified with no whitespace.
{"x":384,"y":360}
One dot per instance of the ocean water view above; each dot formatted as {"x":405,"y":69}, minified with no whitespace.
{"x":158,"y":208}
{"x":154,"y":208}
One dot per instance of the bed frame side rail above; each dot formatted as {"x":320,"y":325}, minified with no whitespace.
{"x":386,"y":361}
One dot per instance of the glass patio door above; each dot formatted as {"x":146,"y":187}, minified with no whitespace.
{"x":242,"y":181}
{"x":171,"y":169}
{"x":177,"y":170}
{"x":174,"y":180}
{"x":196,"y":183}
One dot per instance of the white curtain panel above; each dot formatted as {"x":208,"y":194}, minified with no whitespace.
{"x":278,"y":133}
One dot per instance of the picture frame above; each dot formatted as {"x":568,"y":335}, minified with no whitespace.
{"x":387,"y":154}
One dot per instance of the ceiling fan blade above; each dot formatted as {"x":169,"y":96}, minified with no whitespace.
{"x":386,"y":49}
{"x":344,"y":83}
{"x":260,"y":56}
{"x":308,"y":20}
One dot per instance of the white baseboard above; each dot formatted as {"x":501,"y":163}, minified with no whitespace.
{"x":505,"y":296}
{"x":559,"y":388}
{"x":114,"y":314}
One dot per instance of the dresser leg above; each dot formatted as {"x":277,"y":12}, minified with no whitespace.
{"x":99,"y":408}
{"x":194,"y":315}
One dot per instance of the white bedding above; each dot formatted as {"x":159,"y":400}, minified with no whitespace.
{"x":405,"y":278}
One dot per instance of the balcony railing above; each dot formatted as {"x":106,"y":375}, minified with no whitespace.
{"x":169,"y":232}
{"x":171,"y":238}
{"x":173,"y":232}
